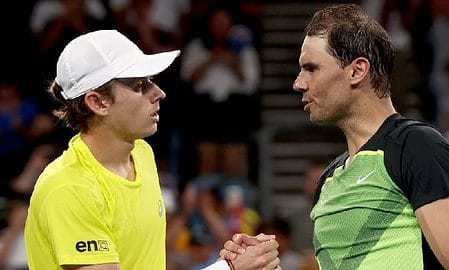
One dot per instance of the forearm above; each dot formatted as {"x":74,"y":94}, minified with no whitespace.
{"x":433,"y":219}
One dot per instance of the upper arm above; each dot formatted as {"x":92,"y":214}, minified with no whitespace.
{"x":108,"y":266}
{"x":420,"y":166}
{"x":424,"y":166}
{"x":76,"y":225}
{"x":433,"y":219}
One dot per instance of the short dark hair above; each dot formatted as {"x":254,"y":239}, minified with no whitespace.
{"x":74,"y":113}
{"x":351,"y":33}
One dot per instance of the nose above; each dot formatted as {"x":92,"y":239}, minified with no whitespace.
{"x":299,"y":84}
{"x":157,"y":94}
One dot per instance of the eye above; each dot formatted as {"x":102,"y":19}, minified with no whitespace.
{"x":144,"y":86}
{"x":309,"y":67}
{"x":140,"y":87}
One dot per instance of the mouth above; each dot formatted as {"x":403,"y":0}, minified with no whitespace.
{"x":155,"y":116}
{"x":306,"y":104}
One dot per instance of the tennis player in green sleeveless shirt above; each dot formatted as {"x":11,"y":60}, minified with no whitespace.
{"x":383,"y":204}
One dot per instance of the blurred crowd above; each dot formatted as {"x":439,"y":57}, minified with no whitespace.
{"x":419,"y":32}
{"x":205,"y":144}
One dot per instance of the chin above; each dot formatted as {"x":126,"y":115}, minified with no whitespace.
{"x":148,"y":132}
{"x":153,"y":130}
{"x":314,"y":119}
{"x":318,"y":120}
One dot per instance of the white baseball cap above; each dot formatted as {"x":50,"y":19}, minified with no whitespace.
{"x":93,"y":59}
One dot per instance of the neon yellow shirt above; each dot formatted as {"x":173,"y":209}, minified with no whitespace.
{"x":81,"y":213}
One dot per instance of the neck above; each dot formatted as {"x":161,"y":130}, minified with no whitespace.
{"x":111,"y":152}
{"x":364,"y":122}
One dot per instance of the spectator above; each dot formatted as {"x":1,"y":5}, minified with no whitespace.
{"x":222,"y":67}
{"x":55,"y":22}
{"x":16,"y":119}
{"x":439,"y":77}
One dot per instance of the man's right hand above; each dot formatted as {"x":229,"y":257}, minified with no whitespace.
{"x":252,"y":252}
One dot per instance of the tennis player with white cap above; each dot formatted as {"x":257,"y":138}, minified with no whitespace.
{"x":99,"y":205}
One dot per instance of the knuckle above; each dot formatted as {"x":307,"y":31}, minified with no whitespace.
{"x":262,"y":261}
{"x":259,"y":249}
{"x":236,"y":237}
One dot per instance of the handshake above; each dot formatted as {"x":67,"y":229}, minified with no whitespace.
{"x":245,"y":252}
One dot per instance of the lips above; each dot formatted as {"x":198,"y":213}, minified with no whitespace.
{"x":306,"y":104}
{"x":155,"y":117}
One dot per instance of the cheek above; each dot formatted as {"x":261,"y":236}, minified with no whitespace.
{"x":332,"y":85}
{"x":331,"y":94}
{"x":132,"y":106}
{"x":127,"y":113}
{"x":334,"y":98}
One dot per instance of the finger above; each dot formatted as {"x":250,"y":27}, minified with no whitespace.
{"x":234,"y":247}
{"x":265,"y":237}
{"x":271,"y":256}
{"x":237,"y":238}
{"x":268,"y":260}
{"x":273,"y":265}
{"x":226,"y":255}
{"x":249,"y":240}
{"x":268,"y":246}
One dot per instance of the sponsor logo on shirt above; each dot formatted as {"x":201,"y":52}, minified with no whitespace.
{"x":160,"y":208}
{"x":362,"y":179}
{"x":92,"y":245}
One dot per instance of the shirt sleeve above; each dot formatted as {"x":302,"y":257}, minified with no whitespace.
{"x":425,"y":166}
{"x":74,"y":221}
{"x":220,"y":265}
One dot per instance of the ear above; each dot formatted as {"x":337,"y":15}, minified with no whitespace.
{"x":97,"y":103}
{"x":359,"y":71}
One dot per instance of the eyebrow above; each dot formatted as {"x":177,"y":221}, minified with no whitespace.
{"x":308,"y":66}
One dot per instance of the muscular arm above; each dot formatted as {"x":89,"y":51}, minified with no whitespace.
{"x":109,"y":266}
{"x":434,"y":221}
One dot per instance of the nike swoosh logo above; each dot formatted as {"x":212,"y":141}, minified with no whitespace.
{"x":362,"y":179}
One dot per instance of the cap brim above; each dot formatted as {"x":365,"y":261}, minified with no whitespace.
{"x":149,"y":65}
